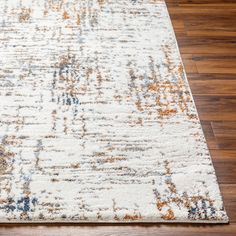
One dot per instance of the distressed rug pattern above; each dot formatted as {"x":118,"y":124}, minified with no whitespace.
{"x":97,"y":121}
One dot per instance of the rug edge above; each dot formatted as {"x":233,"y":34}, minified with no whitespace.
{"x":186,"y":78}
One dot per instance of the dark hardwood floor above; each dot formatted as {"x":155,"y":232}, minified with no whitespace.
{"x":206,"y":34}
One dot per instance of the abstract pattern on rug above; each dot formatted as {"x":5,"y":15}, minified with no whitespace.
{"x":97,"y":120}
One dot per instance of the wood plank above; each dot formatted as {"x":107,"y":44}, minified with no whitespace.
{"x":203,"y":45}
{"x":209,"y":135}
{"x":225,"y":134}
{"x":216,"y":66}
{"x":216,"y":108}
{"x":225,"y":165}
{"x":204,"y":11}
{"x":229,"y":196}
{"x":224,"y":129}
{"x":207,"y":85}
{"x":189,"y":63}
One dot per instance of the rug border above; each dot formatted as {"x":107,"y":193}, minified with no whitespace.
{"x":160,"y":221}
{"x":194,"y":104}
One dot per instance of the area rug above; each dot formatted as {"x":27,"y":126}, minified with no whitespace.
{"x":97,"y":120}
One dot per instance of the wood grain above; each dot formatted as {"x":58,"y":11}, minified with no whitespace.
{"x":206,"y":33}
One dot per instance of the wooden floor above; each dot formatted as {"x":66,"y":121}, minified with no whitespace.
{"x":206,"y":33}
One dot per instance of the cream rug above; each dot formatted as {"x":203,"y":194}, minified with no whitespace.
{"x":97,"y":121}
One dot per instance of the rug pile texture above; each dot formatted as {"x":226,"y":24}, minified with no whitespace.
{"x":97,"y":120}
